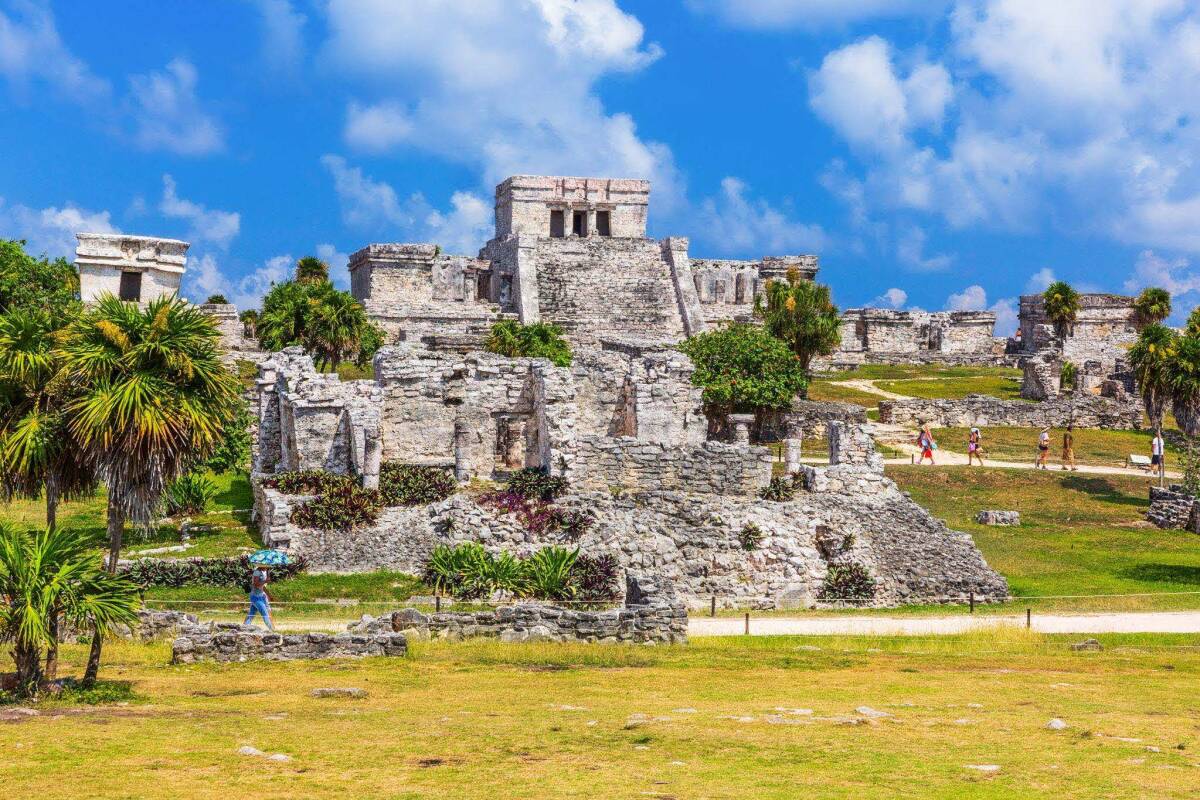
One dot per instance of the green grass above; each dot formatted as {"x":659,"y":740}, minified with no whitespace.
{"x":1092,"y":446}
{"x":907,"y":371}
{"x":1000,"y":386}
{"x":832,"y":392}
{"x":710,"y":720}
{"x":1079,"y":534}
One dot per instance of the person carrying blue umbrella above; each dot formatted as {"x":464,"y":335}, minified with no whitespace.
{"x":260,"y":601}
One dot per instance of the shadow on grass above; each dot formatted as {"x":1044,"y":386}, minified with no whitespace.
{"x":1102,"y":489}
{"x":238,"y":494}
{"x":1179,"y":574}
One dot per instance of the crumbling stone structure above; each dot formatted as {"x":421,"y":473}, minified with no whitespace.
{"x":228,"y":641}
{"x":1081,"y":410}
{"x":886,"y":336}
{"x":1105,"y":326}
{"x":134,"y":268}
{"x":1173,"y":508}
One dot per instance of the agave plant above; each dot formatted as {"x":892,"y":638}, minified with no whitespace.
{"x":549,"y":573}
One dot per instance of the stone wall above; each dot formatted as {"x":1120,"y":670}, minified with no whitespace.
{"x":226,"y":642}
{"x":806,"y":419}
{"x":626,"y":464}
{"x":726,"y":288}
{"x":848,"y":512}
{"x":524,"y":204}
{"x":1103,"y":330}
{"x":1084,"y":411}
{"x":236,"y":343}
{"x":880,"y":335}
{"x":1173,"y":509}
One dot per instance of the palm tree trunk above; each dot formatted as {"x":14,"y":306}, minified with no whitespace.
{"x":1162,"y":459}
{"x":116,"y":529}
{"x":51,"y":502}
{"x":51,"y":670}
{"x":29,"y":668}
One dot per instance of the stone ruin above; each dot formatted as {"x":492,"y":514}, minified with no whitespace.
{"x":574,"y":252}
{"x":137,"y":269}
{"x":624,"y":425}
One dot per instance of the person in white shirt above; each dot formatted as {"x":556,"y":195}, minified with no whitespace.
{"x":1043,"y":449}
{"x":1156,"y":453}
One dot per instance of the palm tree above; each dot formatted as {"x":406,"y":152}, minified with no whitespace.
{"x":1192,"y":326}
{"x":38,"y":452}
{"x":154,"y":401}
{"x":335,"y":327}
{"x":1152,"y":306}
{"x":1151,"y":358}
{"x":249,"y":320}
{"x":51,"y":572}
{"x":1061,"y":303}
{"x":284,"y":317}
{"x":802,"y":314}
{"x":311,"y":269}
{"x":1184,"y":381}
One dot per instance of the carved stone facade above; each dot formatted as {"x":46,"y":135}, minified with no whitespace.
{"x":879,"y":335}
{"x":134,"y":268}
{"x":1104,"y":328}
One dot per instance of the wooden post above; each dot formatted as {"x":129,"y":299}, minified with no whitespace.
{"x":972,"y":602}
{"x":437,"y":602}
{"x":1029,"y":618}
{"x":747,"y":623}
{"x":713,"y":610}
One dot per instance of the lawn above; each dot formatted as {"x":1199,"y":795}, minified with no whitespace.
{"x":1079,"y":534}
{"x":830,"y":391}
{"x":955,"y":388}
{"x":719,"y":718}
{"x":1092,"y":446}
{"x":933,"y":381}
{"x":909,"y":371}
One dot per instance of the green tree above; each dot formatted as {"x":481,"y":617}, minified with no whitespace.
{"x":48,"y":574}
{"x":1184,"y":381}
{"x":801,"y":313}
{"x":1152,"y":306}
{"x":742,"y":369}
{"x":1192,"y":327}
{"x":154,"y":401}
{"x":537,"y":340}
{"x":331,"y":325}
{"x":249,"y":320}
{"x":30,"y":282}
{"x":1061,"y":303}
{"x":311,"y":269}
{"x":216,"y":300}
{"x":1151,"y":359}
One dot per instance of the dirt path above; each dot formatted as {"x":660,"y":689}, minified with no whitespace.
{"x":868,"y":386}
{"x":951,"y":458}
{"x":1131,"y":622}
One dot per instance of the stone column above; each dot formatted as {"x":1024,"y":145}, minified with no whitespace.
{"x":462,"y":451}
{"x":741,"y":427}
{"x":791,"y":455}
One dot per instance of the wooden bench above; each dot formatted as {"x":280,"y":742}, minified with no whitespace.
{"x":1137,"y":461}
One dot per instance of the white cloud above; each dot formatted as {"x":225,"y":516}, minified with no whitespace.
{"x":1005,"y":310}
{"x":910,"y":250}
{"x":205,"y":225}
{"x":972,"y":298}
{"x":283,"y":33}
{"x":374,"y":205}
{"x":892,"y":298}
{"x":734,"y":223}
{"x":31,"y":52}
{"x":858,"y":92}
{"x":1172,"y":274}
{"x":1074,"y":113}
{"x":204,"y":277}
{"x":51,"y":231}
{"x":774,"y":14}
{"x":506,"y":86}
{"x":1039,"y":281}
{"x":167,"y":114}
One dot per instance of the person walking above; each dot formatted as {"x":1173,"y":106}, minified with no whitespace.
{"x":260,"y":601}
{"x":974,"y":447}
{"x":927,"y":444}
{"x":1157,"y":462}
{"x":1043,"y":449}
{"x":1068,"y":454}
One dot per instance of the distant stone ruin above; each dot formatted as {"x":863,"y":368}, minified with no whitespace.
{"x":136,"y":269}
{"x":885,"y":336}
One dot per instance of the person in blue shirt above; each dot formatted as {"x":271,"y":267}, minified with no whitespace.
{"x":260,"y":601}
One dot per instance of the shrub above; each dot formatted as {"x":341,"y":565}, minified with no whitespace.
{"x":1066,"y":376}
{"x":189,"y":494}
{"x":549,"y":573}
{"x":538,"y":340}
{"x":596,"y":577}
{"x":537,"y":484}
{"x":224,"y":572}
{"x":750,"y":536}
{"x":217,"y":299}
{"x":409,"y":485}
{"x":306,"y":481}
{"x":781,"y":488}
{"x":343,"y":507}
{"x":461,"y":571}
{"x":233,"y":450}
{"x":742,"y":368}
{"x":848,"y":582}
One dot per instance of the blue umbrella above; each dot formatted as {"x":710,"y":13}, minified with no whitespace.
{"x":270,"y":558}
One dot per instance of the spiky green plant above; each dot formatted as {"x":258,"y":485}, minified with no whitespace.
{"x":801,"y":313}
{"x":48,"y":574}
{"x":311,"y":269}
{"x":1152,"y":306}
{"x":1151,"y":359}
{"x":1061,"y":303}
{"x":38,"y":450}
{"x":548,"y":572}
{"x":335,"y":328}
{"x":331,"y":325}
{"x":536,"y":340}
{"x":153,"y":401}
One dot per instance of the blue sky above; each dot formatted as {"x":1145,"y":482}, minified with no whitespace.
{"x":935,"y":154}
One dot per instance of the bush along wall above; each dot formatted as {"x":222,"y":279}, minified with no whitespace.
{"x":342,"y":504}
{"x":469,"y":572}
{"x":530,"y":494}
{"x":224,"y":572}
